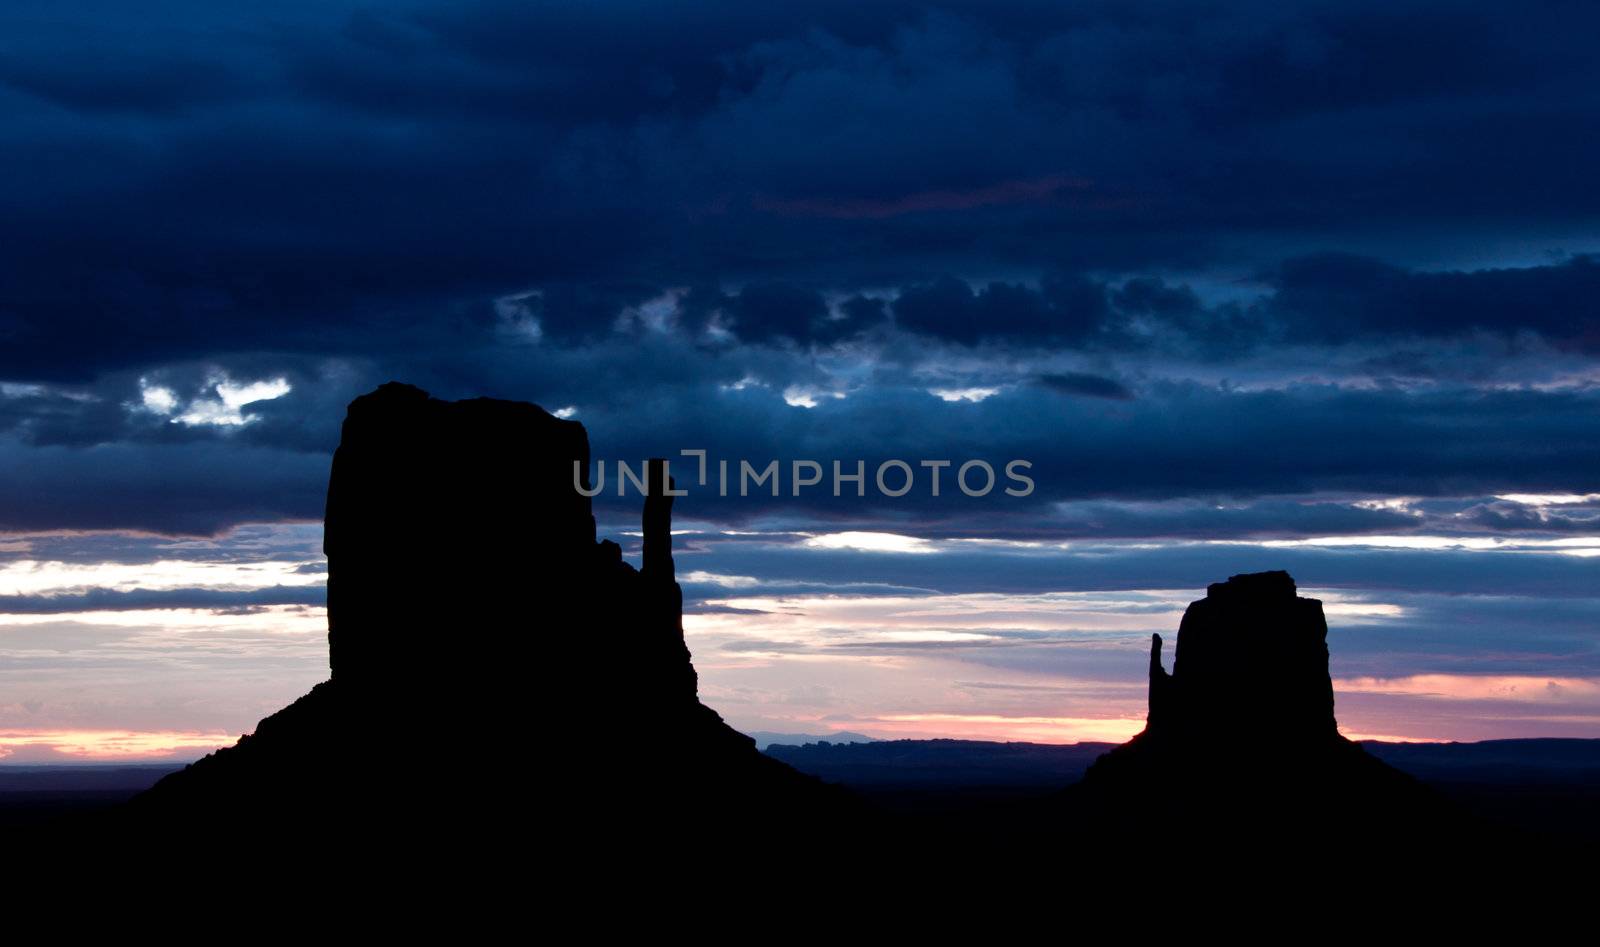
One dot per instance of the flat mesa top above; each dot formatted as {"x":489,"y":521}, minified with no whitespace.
{"x":1276,"y":584}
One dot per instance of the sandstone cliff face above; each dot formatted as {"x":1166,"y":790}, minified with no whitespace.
{"x":486,"y":652}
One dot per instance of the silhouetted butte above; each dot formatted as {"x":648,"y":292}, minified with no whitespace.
{"x":1241,"y":739}
{"x":485,"y":649}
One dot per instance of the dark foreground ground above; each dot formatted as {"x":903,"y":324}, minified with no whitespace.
{"x":1544,"y":788}
{"x":35,"y":794}
{"x":1547,"y":788}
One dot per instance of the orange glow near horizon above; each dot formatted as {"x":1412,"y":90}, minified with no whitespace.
{"x":1517,"y":687}
{"x":107,"y":745}
{"x":1003,"y":728}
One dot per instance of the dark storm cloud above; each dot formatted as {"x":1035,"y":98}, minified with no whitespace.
{"x":775,"y":312}
{"x":1219,"y":518}
{"x":198,"y":488}
{"x":775,"y":309}
{"x":256,"y":543}
{"x":696,"y":591}
{"x":1091,"y":566}
{"x":184,"y":179}
{"x":1472,"y":634}
{"x":1155,"y":297}
{"x":1062,"y":310}
{"x":1175,"y":440}
{"x":1258,"y":519}
{"x":1508,"y":516}
{"x":1336,"y":297}
{"x":219,"y":600}
{"x":46,"y":417}
{"x":1089,"y":386}
{"x":683,"y":213}
{"x":1214,"y":446}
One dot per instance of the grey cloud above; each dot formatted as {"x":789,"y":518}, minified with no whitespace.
{"x":226,"y":601}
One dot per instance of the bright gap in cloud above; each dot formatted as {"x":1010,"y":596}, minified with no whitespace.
{"x":1355,"y":612}
{"x":1571,"y":546}
{"x":165,"y":622}
{"x":796,"y":396}
{"x":1398,"y":504}
{"x":158,"y":400}
{"x":221,"y":407}
{"x":34,"y":577}
{"x":964,"y":394}
{"x":998,"y":727}
{"x":932,"y":636}
{"x":873,"y":627}
{"x":1549,"y":499}
{"x":26,"y":745}
{"x":871,"y":542}
{"x":723,"y":581}
{"x":224,"y":410}
{"x":1516,"y":687}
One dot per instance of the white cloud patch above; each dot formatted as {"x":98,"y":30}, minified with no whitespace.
{"x":871,"y":542}
{"x":723,"y":581}
{"x":964,"y":394}
{"x":220,"y":402}
{"x":34,"y":577}
{"x":798,"y":396}
{"x":157,"y":399}
{"x":1580,"y":546}
{"x":1550,"y":499}
{"x":231,"y":397}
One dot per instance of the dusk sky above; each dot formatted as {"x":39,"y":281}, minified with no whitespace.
{"x":1303,"y":286}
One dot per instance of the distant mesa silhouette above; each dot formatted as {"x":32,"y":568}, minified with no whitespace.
{"x":483,"y":648}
